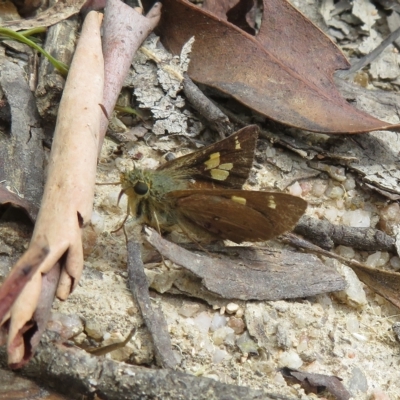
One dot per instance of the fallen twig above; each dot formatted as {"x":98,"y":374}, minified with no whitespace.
{"x":80,"y":373}
{"x":368,"y":58}
{"x":153,"y":316}
{"x":385,"y":283}
{"x":327,"y":235}
{"x":206,"y":107}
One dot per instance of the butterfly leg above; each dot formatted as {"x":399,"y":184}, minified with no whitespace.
{"x":122,"y":226}
{"x":159,"y":232}
{"x":191,"y":238}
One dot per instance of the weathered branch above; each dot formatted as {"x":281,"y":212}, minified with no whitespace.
{"x":68,"y":196}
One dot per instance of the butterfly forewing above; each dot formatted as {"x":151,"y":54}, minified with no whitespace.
{"x":240,"y":215}
{"x":226,"y":163}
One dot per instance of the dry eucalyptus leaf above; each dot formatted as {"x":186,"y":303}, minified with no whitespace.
{"x":7,"y":197}
{"x":236,"y":12}
{"x":316,"y":383}
{"x":61,"y":10}
{"x":284,"y":73}
{"x":253,"y":273}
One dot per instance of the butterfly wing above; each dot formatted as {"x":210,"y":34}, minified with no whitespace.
{"x":226,"y":163}
{"x":240,"y":215}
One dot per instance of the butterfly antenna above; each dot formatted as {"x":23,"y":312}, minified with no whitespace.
{"x":107,"y":183}
{"x":121,"y":193}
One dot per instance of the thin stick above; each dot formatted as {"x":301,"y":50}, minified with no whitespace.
{"x":367,"y":59}
{"x":153,"y":317}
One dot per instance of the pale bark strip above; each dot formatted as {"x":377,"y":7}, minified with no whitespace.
{"x":68,"y":196}
{"x":124,"y":32}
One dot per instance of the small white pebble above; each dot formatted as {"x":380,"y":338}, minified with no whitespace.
{"x":395,"y":263}
{"x":349,"y":183}
{"x":222,"y":310}
{"x":331,"y":214}
{"x":334,"y":192}
{"x":220,"y":335}
{"x":302,"y":346}
{"x":373,"y":259}
{"x":203,"y":321}
{"x":215,"y":377}
{"x":240,"y":312}
{"x":357,"y":218}
{"x":319,"y":188}
{"x":384,"y":259}
{"x":295,"y":189}
{"x":279,"y":380}
{"x":244,"y":358}
{"x":354,"y":294}
{"x":340,"y":204}
{"x":218,"y":321}
{"x":232,"y":308}
{"x":345,"y":251}
{"x":290,"y":359}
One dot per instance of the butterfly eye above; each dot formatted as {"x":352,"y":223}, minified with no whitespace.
{"x":141,"y":188}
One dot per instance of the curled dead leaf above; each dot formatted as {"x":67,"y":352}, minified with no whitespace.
{"x":285,"y":72}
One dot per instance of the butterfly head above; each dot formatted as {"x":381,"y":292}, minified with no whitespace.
{"x":135,"y":184}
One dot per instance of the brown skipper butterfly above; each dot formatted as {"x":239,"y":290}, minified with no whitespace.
{"x":202,"y":194}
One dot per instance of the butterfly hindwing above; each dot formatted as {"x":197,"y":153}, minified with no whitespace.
{"x":226,"y":163}
{"x":240,"y":215}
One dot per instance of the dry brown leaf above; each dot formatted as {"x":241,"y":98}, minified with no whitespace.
{"x":61,"y":10}
{"x":316,"y":383}
{"x":285,"y":72}
{"x":253,"y":273}
{"x":7,"y":197}
{"x":8,"y":11}
{"x":67,"y":201}
{"x":234,"y":11}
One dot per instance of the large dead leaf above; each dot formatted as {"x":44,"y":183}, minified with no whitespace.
{"x":316,"y":383}
{"x":253,"y":273}
{"x":59,"y":11}
{"x":285,"y":72}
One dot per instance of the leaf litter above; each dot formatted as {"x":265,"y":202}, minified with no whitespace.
{"x":318,"y":333}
